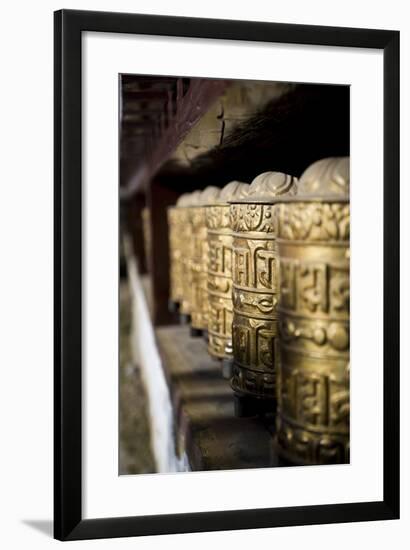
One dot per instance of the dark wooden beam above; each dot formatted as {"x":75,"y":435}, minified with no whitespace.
{"x":145,"y":95}
{"x":132,"y":219}
{"x":159,"y":197}
{"x":192,"y":102}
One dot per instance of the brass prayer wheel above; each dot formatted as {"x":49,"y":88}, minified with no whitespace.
{"x":199,"y":259}
{"x":255,"y":292}
{"x":186,"y":250}
{"x":220,"y":270}
{"x":176,"y":219}
{"x":313,"y":381}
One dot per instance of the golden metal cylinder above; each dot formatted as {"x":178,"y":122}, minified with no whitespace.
{"x":199,"y":259}
{"x":255,"y":286}
{"x":313,"y":379}
{"x":186,"y":250}
{"x":220,"y":270}
{"x":176,"y":219}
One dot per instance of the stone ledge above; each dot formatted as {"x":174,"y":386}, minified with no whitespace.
{"x":206,"y":429}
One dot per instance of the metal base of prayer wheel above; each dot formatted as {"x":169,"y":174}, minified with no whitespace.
{"x":255,"y":292}
{"x":246,"y":406}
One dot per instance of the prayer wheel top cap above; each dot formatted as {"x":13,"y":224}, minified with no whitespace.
{"x":270,"y":187}
{"x":193,"y":199}
{"x":325,"y":180}
{"x":208,"y":195}
{"x":184,"y":200}
{"x":329,"y":176}
{"x":232,"y":190}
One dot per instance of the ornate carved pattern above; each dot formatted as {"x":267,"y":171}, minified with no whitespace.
{"x":186,"y":261}
{"x":253,"y":217}
{"x":176,"y":217}
{"x":314,"y":221}
{"x":254,"y":295}
{"x":249,"y":303}
{"x":312,"y":288}
{"x":301,"y":446}
{"x":251,"y":382}
{"x":219,"y":280}
{"x":316,"y":399}
{"x":199,"y":260}
{"x":272,"y":184}
{"x":255,"y":264}
{"x":217,"y":217}
{"x":305,"y":335}
{"x":314,"y":417}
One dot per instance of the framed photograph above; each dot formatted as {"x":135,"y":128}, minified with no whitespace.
{"x":226,"y":303}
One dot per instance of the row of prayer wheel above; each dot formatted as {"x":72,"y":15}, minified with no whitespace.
{"x":263,"y":271}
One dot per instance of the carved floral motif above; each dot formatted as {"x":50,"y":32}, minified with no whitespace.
{"x":253,"y":217}
{"x":217,"y":217}
{"x":314,"y":221}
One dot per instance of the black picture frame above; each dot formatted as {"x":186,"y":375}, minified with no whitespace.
{"x":68,"y":522}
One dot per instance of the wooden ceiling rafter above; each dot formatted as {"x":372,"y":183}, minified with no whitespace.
{"x":156,"y":114}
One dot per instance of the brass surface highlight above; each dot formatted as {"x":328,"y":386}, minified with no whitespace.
{"x":177,"y":216}
{"x":255,"y":285}
{"x":186,"y":243}
{"x":199,"y":259}
{"x":219,"y":270}
{"x":313,"y":378}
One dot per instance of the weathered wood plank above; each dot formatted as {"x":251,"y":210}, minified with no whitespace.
{"x":207,"y":430}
